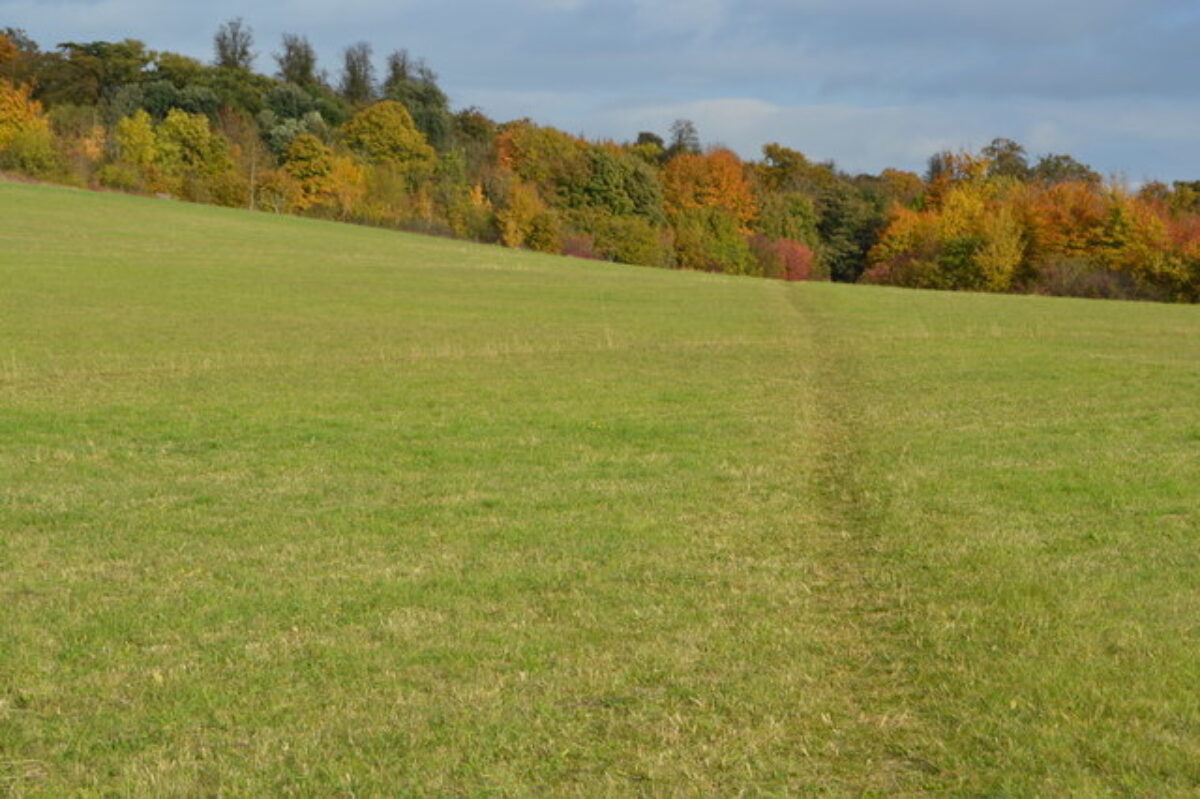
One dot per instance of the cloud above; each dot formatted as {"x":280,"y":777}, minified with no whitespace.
{"x":1149,"y":141}
{"x":695,"y":18}
{"x":867,"y":82}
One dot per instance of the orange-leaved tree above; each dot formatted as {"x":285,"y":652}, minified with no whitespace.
{"x":1138,"y":242}
{"x":19,"y":113}
{"x":26,"y":142}
{"x":715,"y":180}
{"x":1066,"y":219}
{"x":969,"y":235}
{"x":554,"y":162}
{"x":8,"y":50}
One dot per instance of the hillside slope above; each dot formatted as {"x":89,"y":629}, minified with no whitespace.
{"x":298,"y":507}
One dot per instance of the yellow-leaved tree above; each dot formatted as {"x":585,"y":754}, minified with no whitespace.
{"x":385,"y":133}
{"x":526,"y":221}
{"x":182,"y":156}
{"x":136,"y":165}
{"x":26,"y":143}
{"x":135,"y":140}
{"x":310,"y":163}
{"x":970,"y":235}
{"x":398,"y":159}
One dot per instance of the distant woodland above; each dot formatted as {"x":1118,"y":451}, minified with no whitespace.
{"x":387,"y":149}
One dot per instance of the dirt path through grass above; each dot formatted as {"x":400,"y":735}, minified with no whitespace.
{"x":873,"y":734}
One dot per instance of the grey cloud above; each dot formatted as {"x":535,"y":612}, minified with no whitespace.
{"x":867,"y":82}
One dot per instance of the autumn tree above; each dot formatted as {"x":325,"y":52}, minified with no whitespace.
{"x":180,"y":70}
{"x":784,"y":259}
{"x":526,"y":221}
{"x":412,"y":83}
{"x":384,"y":132}
{"x":685,"y":140}
{"x":358,"y":74}
{"x":233,"y":45}
{"x":971,"y":239}
{"x":297,"y":61}
{"x":26,"y":142}
{"x":899,"y":186}
{"x":714,"y":180}
{"x":136,"y":143}
{"x":193,"y":157}
{"x":310,"y":163}
{"x":248,"y":152}
{"x":347,"y":187}
{"x":948,"y":169}
{"x":624,"y":239}
{"x":1059,"y":168}
{"x":650,"y":147}
{"x":8,"y":51}
{"x":839,"y":217}
{"x":91,"y":73}
{"x":187,"y":143}
{"x":474,"y":137}
{"x":19,"y":113}
{"x":1065,"y":219}
{"x":788,"y":215}
{"x":553,"y":161}
{"x":1006,"y":158}
{"x":710,"y":239}
{"x":600,"y":191}
{"x":710,"y":205}
{"x":785,"y":169}
{"x":182,"y":156}
{"x":19,"y":55}
{"x":618,"y":184}
{"x":786,"y":185}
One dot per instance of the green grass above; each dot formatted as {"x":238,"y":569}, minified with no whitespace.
{"x":289,"y":507}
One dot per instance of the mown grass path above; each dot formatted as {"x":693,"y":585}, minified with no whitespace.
{"x":299,"y":508}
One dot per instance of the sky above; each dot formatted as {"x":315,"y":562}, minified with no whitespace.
{"x":866,"y":83}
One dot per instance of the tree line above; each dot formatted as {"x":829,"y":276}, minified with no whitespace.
{"x":388,"y":149}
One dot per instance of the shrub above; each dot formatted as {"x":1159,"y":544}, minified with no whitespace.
{"x":1068,"y":276}
{"x":278,"y":191}
{"x":581,"y":245}
{"x":32,"y":151}
{"x":120,"y":176}
{"x":783,"y":258}
{"x":624,"y":239}
{"x":708,"y":239}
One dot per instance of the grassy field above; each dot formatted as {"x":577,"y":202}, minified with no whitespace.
{"x":294,"y":508}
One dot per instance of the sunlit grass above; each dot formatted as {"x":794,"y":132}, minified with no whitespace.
{"x":293,"y":507}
